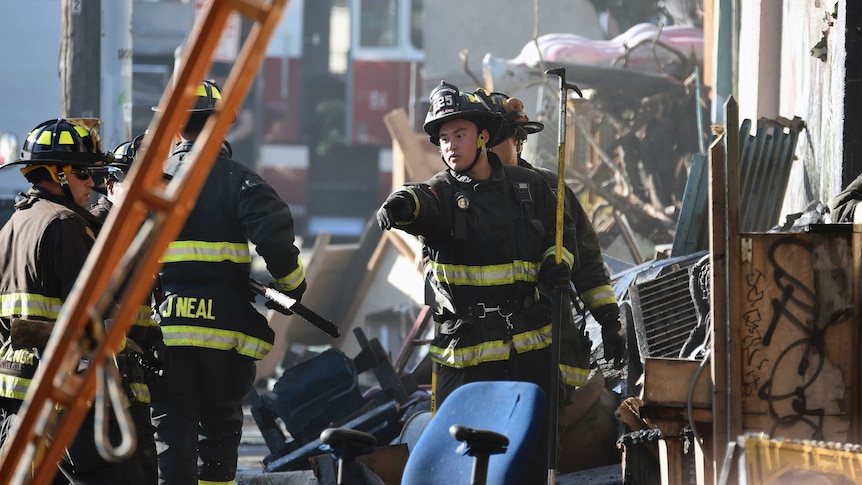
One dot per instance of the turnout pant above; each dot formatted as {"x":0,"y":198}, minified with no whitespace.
{"x":532,"y":367}
{"x":83,"y":465}
{"x":197,"y":412}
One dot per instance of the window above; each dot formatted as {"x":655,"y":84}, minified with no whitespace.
{"x":378,"y":23}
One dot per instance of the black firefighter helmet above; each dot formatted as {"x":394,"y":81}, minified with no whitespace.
{"x":449,"y":103}
{"x":208,"y":95}
{"x":61,"y":145}
{"x":512,"y":110}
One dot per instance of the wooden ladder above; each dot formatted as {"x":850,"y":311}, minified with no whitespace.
{"x":134,"y":237}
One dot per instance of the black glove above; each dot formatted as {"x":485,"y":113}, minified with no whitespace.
{"x":295,"y":294}
{"x":398,"y":207}
{"x":613,"y":342}
{"x":553,"y":274}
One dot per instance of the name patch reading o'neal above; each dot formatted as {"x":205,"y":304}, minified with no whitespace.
{"x":189,"y":307}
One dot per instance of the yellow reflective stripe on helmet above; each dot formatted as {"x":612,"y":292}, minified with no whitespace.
{"x":574,"y":376}
{"x":44,"y":138}
{"x":214,"y":338}
{"x":30,"y":305}
{"x":599,"y":296}
{"x":490,"y":275}
{"x":292,"y":280}
{"x":568,"y":257}
{"x":491,"y":351}
{"x":206,"y":251}
{"x":201,"y":91}
{"x":14,"y":387}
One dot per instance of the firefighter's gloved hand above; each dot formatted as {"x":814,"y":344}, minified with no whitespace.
{"x":296,"y":294}
{"x":398,"y":207}
{"x":614,"y":343}
{"x":553,"y":274}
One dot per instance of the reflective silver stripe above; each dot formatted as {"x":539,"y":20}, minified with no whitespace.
{"x":491,"y":351}
{"x":213,"y":338}
{"x":144,"y":318}
{"x":140,"y":392}
{"x":30,"y":305}
{"x":574,"y":376}
{"x":206,"y":251}
{"x":490,"y":275}
{"x":292,"y":280}
{"x":567,"y":256}
{"x":599,"y":296}
{"x":14,"y":387}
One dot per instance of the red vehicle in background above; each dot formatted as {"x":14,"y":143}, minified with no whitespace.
{"x":329,"y":77}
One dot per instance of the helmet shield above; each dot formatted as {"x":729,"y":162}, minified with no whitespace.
{"x":449,"y":103}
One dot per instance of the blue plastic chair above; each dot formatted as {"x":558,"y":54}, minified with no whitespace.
{"x":512,"y":409}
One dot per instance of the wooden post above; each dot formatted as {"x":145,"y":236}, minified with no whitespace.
{"x":734,"y":270}
{"x":718,"y":300}
{"x":79,"y":58}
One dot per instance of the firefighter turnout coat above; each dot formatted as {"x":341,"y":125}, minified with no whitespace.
{"x":46,"y":242}
{"x":589,"y":275}
{"x":484,"y":244}
{"x":206,"y":271}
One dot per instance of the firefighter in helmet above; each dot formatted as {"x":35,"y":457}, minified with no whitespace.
{"x":47,"y":241}
{"x":590,"y":277}
{"x":488,"y":233}
{"x":109,"y":180}
{"x":212,"y":330}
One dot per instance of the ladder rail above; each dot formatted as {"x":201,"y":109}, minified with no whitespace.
{"x":158,"y":211}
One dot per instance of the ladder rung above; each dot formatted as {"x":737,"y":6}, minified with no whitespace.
{"x":156,"y":198}
{"x":251,"y":9}
{"x":68,"y":392}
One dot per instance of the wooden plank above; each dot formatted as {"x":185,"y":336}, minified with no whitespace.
{"x":856,"y":377}
{"x":733,"y":251}
{"x":692,"y":212}
{"x":667,"y":382}
{"x":414,"y":158}
{"x":718,"y":298}
{"x":795,"y":322}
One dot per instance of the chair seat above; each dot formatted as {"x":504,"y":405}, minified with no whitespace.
{"x":513,"y":409}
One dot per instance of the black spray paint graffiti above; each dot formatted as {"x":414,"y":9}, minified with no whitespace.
{"x":795,"y":307}
{"x":752,"y":340}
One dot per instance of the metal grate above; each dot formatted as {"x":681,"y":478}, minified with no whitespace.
{"x":664,"y":314}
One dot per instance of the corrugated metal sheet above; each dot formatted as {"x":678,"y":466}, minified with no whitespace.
{"x":765,"y":162}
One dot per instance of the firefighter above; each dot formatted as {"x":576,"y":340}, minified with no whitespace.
{"x":109,"y":180}
{"x":47,"y":241}
{"x":589,"y":276}
{"x":212,"y":330}
{"x":488,"y":234}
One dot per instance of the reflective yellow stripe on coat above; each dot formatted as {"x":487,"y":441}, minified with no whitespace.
{"x":499,"y":350}
{"x":599,"y":296}
{"x":214,"y":338}
{"x":13,"y":387}
{"x":495,"y":350}
{"x":490,"y":275}
{"x":293,"y":279}
{"x":206,"y":251}
{"x":30,"y":305}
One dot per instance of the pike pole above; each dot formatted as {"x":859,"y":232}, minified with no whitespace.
{"x":560,"y":302}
